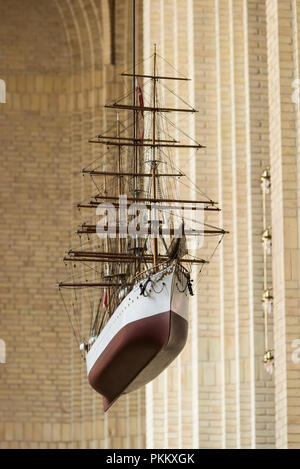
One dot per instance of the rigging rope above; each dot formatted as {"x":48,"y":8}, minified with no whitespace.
{"x":70,"y":319}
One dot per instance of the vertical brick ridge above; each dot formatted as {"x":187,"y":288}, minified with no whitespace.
{"x":221,"y":250}
{"x":283,"y":59}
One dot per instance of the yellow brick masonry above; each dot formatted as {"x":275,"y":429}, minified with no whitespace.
{"x":35,"y":183}
{"x":262,"y":415}
{"x":243,"y":56}
{"x":54,"y":104}
{"x":235,"y":404}
{"x":283,"y":54}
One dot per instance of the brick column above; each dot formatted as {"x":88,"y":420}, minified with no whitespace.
{"x":283,"y":57}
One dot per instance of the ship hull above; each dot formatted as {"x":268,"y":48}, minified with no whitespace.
{"x":144,"y":335}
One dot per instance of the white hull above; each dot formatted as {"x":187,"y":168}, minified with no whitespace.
{"x":168,"y":292}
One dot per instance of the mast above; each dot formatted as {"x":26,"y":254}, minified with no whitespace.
{"x":120,"y":177}
{"x":107,"y":273}
{"x":134,"y":152}
{"x":153,"y":166}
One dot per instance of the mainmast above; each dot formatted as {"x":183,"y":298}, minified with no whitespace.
{"x":153,"y":164}
{"x":119,"y":172}
{"x":107,"y":266}
{"x":135,"y":188}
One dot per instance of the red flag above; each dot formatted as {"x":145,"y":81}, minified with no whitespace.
{"x":105,"y":299}
{"x":140,"y":95}
{"x":141,"y":100}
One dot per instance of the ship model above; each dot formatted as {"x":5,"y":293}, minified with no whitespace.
{"x":136,"y":260}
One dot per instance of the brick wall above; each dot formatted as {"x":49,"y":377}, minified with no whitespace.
{"x":217,"y":394}
{"x":57,"y":63}
{"x":36,"y":196}
{"x":57,"y":66}
{"x":283,"y":29}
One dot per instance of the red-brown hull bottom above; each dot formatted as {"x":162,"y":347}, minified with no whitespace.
{"x":138,"y":353}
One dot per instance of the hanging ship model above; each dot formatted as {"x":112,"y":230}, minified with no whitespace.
{"x":135,"y":260}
